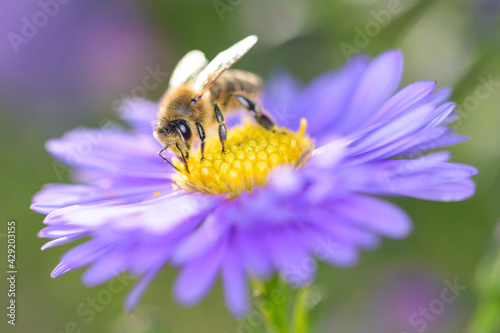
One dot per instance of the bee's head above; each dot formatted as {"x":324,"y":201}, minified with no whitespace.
{"x":176,"y":134}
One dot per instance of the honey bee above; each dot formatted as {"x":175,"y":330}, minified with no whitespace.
{"x":199,"y":93}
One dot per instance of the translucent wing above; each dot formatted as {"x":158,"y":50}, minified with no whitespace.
{"x":187,"y":68}
{"x":222,"y":62}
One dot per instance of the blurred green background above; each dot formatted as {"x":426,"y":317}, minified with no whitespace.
{"x":89,"y":55}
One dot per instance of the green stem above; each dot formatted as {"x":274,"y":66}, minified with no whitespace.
{"x":486,"y":318}
{"x":271,"y":303}
{"x":300,"y":322}
{"x":282,"y":309}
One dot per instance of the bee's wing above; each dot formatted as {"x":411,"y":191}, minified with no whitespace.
{"x":187,"y":68}
{"x":222,"y":62}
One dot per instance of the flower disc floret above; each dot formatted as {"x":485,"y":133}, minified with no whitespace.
{"x":251,"y":152}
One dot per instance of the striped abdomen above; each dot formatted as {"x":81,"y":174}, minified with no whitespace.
{"x":235,"y":81}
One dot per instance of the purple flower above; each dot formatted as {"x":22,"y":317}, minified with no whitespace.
{"x":311,"y":195}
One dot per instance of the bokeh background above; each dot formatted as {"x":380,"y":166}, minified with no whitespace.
{"x":75,"y":68}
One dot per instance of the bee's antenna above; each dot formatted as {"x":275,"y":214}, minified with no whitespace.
{"x":166,"y":160}
{"x":183,"y":158}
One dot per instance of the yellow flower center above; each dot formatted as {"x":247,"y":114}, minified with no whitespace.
{"x":251,"y":152}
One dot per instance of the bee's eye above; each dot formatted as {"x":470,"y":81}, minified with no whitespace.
{"x":183,"y":129}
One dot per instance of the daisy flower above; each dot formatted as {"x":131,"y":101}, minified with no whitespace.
{"x":274,"y":203}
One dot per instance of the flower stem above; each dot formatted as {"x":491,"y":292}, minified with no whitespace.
{"x":300,"y":322}
{"x":283,"y":308}
{"x":486,"y":318}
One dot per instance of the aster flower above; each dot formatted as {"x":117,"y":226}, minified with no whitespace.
{"x":274,"y":203}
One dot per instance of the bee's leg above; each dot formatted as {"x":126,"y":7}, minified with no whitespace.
{"x":255,"y":110}
{"x":201,"y":133}
{"x":222,"y":127}
{"x":183,"y":158}
{"x":166,"y":160}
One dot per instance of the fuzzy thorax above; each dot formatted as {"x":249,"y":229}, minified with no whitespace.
{"x":251,"y":152}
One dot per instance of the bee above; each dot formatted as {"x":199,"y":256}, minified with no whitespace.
{"x":198,"y":95}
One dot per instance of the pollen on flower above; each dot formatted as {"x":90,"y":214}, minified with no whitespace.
{"x":251,"y":152}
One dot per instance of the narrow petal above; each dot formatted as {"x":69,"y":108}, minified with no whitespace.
{"x":256,"y":258}
{"x":379,"y":82}
{"x":280,"y":91}
{"x":327,"y":97}
{"x":56,"y":196}
{"x":139,"y":113}
{"x":456,"y":191}
{"x":392,"y":131}
{"x":342,"y":230}
{"x":113,"y":150}
{"x":374,"y":214}
{"x":412,"y":96}
{"x":440,"y":95}
{"x":210,"y":233}
{"x":196,"y":278}
{"x":64,"y":240}
{"x":108,"y":266}
{"x":236,"y":291}
{"x":332,"y":251}
{"x":135,"y":295}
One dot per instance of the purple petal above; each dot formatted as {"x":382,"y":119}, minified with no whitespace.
{"x":235,"y":286}
{"x":64,"y":240}
{"x":456,"y":191}
{"x":441,"y":114}
{"x":151,"y":214}
{"x":135,"y":295}
{"x":115,"y":151}
{"x":326,"y":98}
{"x":55,"y":196}
{"x":443,"y":182}
{"x":82,"y":255}
{"x":108,"y":266}
{"x":196,"y":278}
{"x":333,"y":251}
{"x":213,"y":229}
{"x":412,"y":96}
{"x":149,"y":251}
{"x":374,"y":214}
{"x":440,"y":95}
{"x":60,"y":269}
{"x":61,"y":231}
{"x":379,"y":82}
{"x":342,"y":230}
{"x":280,"y":91}
{"x":139,"y":113}
{"x":291,"y":256}
{"x":444,"y":137}
{"x":256,"y":258}
{"x":392,"y":131}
